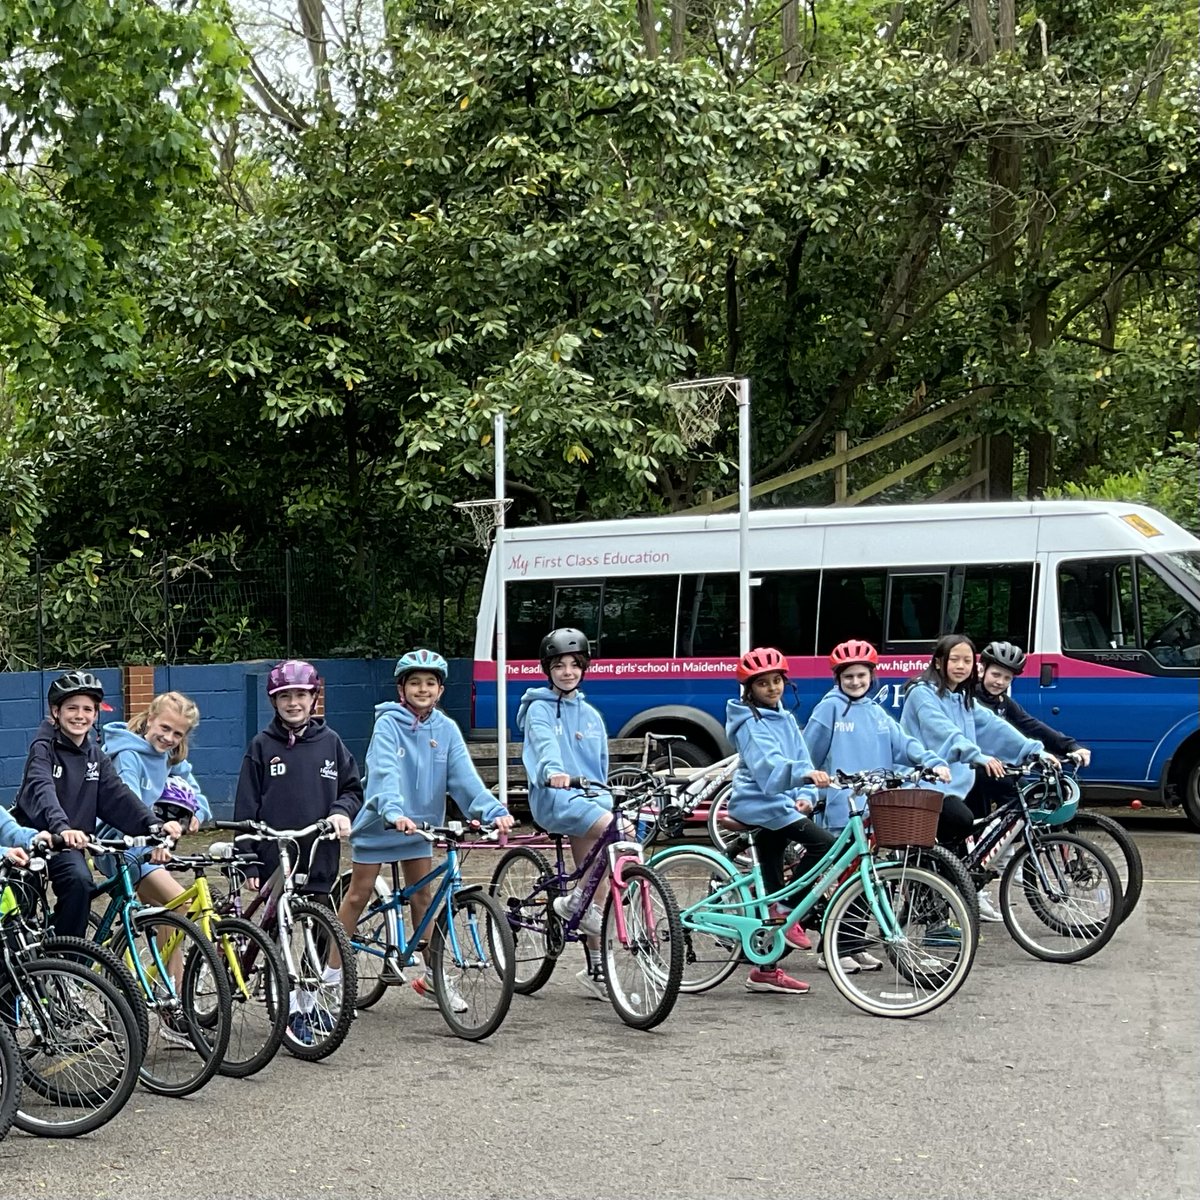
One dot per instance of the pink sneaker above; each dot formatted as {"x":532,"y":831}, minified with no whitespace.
{"x":774,"y":981}
{"x":795,"y":936}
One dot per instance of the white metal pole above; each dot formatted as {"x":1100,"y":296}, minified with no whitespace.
{"x":501,"y":620}
{"x":743,"y":402}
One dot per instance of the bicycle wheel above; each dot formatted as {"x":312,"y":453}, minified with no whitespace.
{"x":641,"y":944}
{"x":324,"y":1005}
{"x":951,"y":868}
{"x":189,"y":1004}
{"x":78,"y":1043}
{"x":718,"y":808}
{"x":927,"y":954}
{"x":1063,"y":903}
{"x":1115,"y":841}
{"x":473,"y":969}
{"x":258,"y":991}
{"x":374,"y":939}
{"x":708,"y":958}
{"x":102,"y":959}
{"x":641,"y":785}
{"x":11,"y":1073}
{"x":514,"y":884}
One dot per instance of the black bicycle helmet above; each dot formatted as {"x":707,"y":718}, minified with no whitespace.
{"x":1003,"y":654}
{"x":74,"y":683}
{"x":564,"y":641}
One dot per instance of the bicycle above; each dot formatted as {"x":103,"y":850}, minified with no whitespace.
{"x":640,"y":937}
{"x":915,"y":919}
{"x":471,"y":953}
{"x":1060,"y":895}
{"x":665,"y":798}
{"x":254,"y":969}
{"x":304,"y":930}
{"x":178,"y":971}
{"x":76,"y":1039}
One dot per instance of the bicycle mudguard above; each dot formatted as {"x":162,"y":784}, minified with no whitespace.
{"x":469,"y":889}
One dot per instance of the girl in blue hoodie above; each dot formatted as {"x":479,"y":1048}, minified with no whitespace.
{"x":149,"y":751}
{"x":565,"y":737}
{"x":849,"y":732}
{"x":16,"y":840}
{"x":416,"y":757}
{"x":941,"y":713}
{"x":773,"y":789}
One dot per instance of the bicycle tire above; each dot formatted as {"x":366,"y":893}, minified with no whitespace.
{"x":314,"y":929}
{"x":480,"y":974}
{"x":1117,"y":842}
{"x":11,"y":1076}
{"x":372,"y":942}
{"x":693,"y":876}
{"x":258,"y":1004}
{"x":514,"y":885}
{"x":1068,"y":861}
{"x":913,"y":980}
{"x":947,"y":864}
{"x":717,"y":808}
{"x":82,"y":951}
{"x":645,"y":820}
{"x":645,"y":996}
{"x":169,"y":1067}
{"x":84,"y":1025}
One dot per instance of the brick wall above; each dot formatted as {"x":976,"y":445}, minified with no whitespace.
{"x":233,"y":708}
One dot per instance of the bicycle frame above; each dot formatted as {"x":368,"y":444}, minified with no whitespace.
{"x":197,"y":903}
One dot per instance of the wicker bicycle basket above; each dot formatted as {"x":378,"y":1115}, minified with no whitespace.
{"x":905,"y":817}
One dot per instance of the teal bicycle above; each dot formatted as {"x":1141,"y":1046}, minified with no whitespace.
{"x":912,"y":919}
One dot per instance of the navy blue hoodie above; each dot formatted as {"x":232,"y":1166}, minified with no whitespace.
{"x":66,"y":786}
{"x":290,"y":782}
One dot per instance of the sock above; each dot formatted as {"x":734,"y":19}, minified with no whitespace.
{"x":306,"y":1001}
{"x":593,"y":960}
{"x":331,"y":975}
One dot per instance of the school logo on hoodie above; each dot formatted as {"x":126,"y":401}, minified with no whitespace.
{"x":329,"y":770}
{"x":93,"y":772}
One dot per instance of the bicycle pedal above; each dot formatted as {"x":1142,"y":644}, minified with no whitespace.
{"x":391,"y":978}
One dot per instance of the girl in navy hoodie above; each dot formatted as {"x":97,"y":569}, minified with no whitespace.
{"x":773,"y":789}
{"x":416,"y":757}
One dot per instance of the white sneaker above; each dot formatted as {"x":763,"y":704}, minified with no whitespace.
{"x":593,"y":985}
{"x":867,"y":962}
{"x":423,"y":986}
{"x":848,"y":964}
{"x":589,"y":923}
{"x":987,"y":910}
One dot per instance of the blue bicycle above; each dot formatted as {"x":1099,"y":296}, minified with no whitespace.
{"x":464,"y":934}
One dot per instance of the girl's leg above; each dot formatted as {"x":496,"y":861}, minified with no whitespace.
{"x":160,"y":888}
{"x":362,"y":885}
{"x":771,"y":844}
{"x":581,"y":847}
{"x":955,"y":824}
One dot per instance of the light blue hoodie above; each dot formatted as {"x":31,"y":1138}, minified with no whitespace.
{"x":563,"y":735}
{"x":411,"y":766}
{"x":857,"y":735}
{"x":963,"y":737}
{"x":773,"y":766}
{"x":13,"y":833}
{"x":146,"y":770}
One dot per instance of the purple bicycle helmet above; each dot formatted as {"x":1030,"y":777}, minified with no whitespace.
{"x":295,"y":673}
{"x":177,"y":803}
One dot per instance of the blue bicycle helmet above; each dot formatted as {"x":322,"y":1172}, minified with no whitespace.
{"x":421,"y":660}
{"x":1053,"y":799}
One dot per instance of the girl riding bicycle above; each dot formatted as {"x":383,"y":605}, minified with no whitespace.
{"x":774,"y":789}
{"x":565,"y":737}
{"x":416,"y":757}
{"x":848,"y":731}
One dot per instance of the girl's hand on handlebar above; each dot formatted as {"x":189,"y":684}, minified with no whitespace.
{"x":819,"y":779}
{"x":560,"y":779}
{"x":16,"y":856}
{"x":194,"y":825}
{"x":43,"y":838}
{"x":943,"y":773}
{"x":341,"y":825}
{"x":404,"y":825}
{"x":504,"y":823}
{"x":1050,"y":760}
{"x":1083,"y":756}
{"x":75,"y":839}
{"x":993,"y":767}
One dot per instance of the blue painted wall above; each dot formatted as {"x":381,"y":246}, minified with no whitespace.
{"x":233,"y":708}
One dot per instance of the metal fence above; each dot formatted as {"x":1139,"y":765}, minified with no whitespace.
{"x":230,"y":606}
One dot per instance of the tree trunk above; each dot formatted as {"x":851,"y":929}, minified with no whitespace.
{"x":312,"y":22}
{"x":789,"y":32}
{"x":648,"y":22}
{"x":1041,"y":454}
{"x":1000,"y":466}
{"x":679,"y":13}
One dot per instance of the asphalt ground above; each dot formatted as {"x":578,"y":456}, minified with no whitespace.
{"x":1036,"y":1080}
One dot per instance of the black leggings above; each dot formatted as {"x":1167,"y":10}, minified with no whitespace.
{"x":955,"y":824}
{"x":772,"y":843}
{"x":987,"y":793}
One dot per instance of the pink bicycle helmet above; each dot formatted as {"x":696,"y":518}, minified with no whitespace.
{"x":295,"y":673}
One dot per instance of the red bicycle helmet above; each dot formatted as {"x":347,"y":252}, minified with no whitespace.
{"x":853,"y":653}
{"x":759,"y":661}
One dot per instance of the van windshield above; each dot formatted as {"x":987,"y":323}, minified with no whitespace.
{"x":1169,"y":604}
{"x":1185,"y":566}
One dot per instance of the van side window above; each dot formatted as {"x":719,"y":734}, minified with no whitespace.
{"x":784,"y":608}
{"x":851,"y":607}
{"x":992,"y":603}
{"x":708,"y":616}
{"x":530,"y":608}
{"x":631,"y":623}
{"x":1086,"y":596}
{"x":915,"y":603}
{"x":577,"y":606}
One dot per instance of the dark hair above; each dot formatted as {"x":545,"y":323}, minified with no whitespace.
{"x":933,"y":674}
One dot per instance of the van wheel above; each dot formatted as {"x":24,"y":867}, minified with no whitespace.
{"x":1191,"y":794}
{"x":685,"y":754}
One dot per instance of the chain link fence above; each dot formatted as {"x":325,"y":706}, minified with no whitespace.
{"x":224,"y":605}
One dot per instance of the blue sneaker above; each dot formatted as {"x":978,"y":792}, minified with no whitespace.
{"x":300,"y":1027}
{"x":943,"y":935}
{"x":322,"y":1021}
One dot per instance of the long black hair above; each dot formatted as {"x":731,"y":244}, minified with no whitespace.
{"x":934,"y":675}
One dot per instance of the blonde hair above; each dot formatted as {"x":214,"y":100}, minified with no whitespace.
{"x":183,"y":705}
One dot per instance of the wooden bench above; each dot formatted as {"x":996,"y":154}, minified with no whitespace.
{"x":622,"y":752}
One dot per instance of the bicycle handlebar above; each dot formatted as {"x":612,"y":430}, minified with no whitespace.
{"x":260,"y":829}
{"x":881,"y":778}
